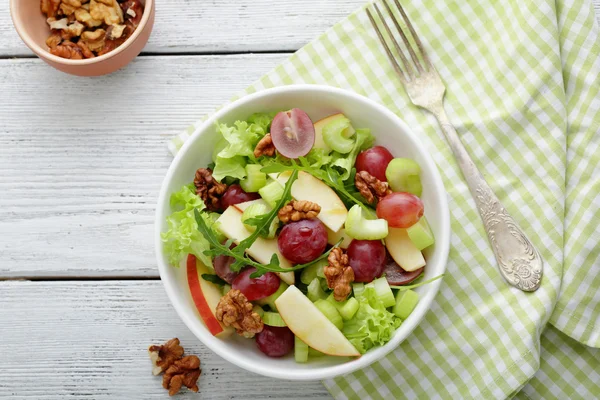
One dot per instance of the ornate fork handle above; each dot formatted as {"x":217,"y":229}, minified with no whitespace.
{"x":519,"y":262}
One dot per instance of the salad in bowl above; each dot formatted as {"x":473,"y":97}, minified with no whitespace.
{"x":303,"y":236}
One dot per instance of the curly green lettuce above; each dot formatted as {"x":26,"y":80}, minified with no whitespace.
{"x":182,"y":237}
{"x":372,"y":325}
{"x":236,"y":146}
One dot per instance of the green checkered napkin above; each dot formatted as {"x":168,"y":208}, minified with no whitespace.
{"x":523,"y":91}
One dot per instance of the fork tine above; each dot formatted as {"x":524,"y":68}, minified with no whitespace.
{"x":412,"y":53}
{"x":407,"y":67}
{"x":387,"y":49}
{"x":414,"y":34}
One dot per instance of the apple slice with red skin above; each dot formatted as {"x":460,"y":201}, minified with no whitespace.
{"x":206,"y":296}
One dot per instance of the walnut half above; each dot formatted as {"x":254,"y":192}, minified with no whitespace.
{"x":183,"y":372}
{"x":235,"y":310}
{"x":371,"y":187}
{"x":339,"y":274}
{"x":209,"y":189}
{"x":297,"y":210}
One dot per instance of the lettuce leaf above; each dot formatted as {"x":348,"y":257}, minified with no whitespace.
{"x":236,"y":146}
{"x":182,"y":237}
{"x":344,"y":162}
{"x":372,"y":325}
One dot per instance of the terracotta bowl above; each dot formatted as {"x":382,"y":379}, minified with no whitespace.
{"x":31,"y":25}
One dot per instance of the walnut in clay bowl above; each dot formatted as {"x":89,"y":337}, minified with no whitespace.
{"x":84,"y":37}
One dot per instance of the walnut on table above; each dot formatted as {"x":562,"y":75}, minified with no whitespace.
{"x":297,"y":210}
{"x":265,"y":147}
{"x":235,"y":310}
{"x":165,"y":355}
{"x":371,"y":187}
{"x":184,"y":372}
{"x":209,"y":189}
{"x":339,"y":274}
{"x":179,"y":370}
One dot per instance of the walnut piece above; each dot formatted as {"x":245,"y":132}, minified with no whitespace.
{"x":94,"y":39}
{"x":297,"y":210}
{"x":115,"y":32}
{"x":371,"y":187}
{"x":67,"y":49}
{"x":82,"y":15}
{"x":107,"y":10}
{"x":57,"y":24}
{"x":235,"y":310}
{"x":87,"y":53}
{"x":265,"y":147}
{"x":209,"y":189}
{"x":184,"y":372}
{"x":339,"y":274}
{"x":133,"y":11}
{"x":50,"y":7}
{"x":165,"y":355}
{"x":54,"y":40}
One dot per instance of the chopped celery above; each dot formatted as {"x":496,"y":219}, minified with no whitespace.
{"x":383,"y":291}
{"x":358,"y":288}
{"x":226,"y":288}
{"x":323,"y":282}
{"x":330,"y":312}
{"x":258,"y":310}
{"x":300,"y":350}
{"x":255,"y":178}
{"x":315,"y":353}
{"x":405,"y":302}
{"x":361,"y":228}
{"x":420,"y":234}
{"x":273,"y":319}
{"x":315,"y":291}
{"x":337,"y":135}
{"x":311,"y":272}
{"x":254,"y":210}
{"x":271,"y":193}
{"x":270,"y":301}
{"x":346,"y":308}
{"x":403,"y":175}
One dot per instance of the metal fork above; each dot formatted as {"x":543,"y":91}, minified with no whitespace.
{"x":518,"y":260}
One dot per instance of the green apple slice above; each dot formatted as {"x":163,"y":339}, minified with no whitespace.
{"x":312,"y":327}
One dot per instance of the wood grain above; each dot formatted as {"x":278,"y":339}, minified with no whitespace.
{"x":90,"y":340}
{"x":82,"y":160}
{"x":223,"y":26}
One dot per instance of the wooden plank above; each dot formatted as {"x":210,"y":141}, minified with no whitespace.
{"x":82,"y":160}
{"x":221,"y":26}
{"x":90,"y":340}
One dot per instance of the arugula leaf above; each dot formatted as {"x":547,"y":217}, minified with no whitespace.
{"x":330,"y":176}
{"x":242,"y":259}
{"x":416,"y":285}
{"x":214,"y":279}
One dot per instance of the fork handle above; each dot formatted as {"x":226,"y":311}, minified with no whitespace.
{"x":518,"y":260}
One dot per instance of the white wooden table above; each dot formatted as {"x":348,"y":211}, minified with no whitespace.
{"x":81,"y":163}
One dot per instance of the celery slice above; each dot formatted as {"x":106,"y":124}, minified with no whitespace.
{"x":330,"y":312}
{"x":255,"y":178}
{"x":258,"y":310}
{"x":383,"y":291}
{"x":273,"y":319}
{"x":360,"y":228}
{"x":270,"y":301}
{"x":313,"y":271}
{"x":337,"y":135}
{"x":300,"y":350}
{"x":358,"y":288}
{"x":403,"y":175}
{"x":271,"y":193}
{"x":346,"y":308}
{"x":254,"y":210}
{"x":406,"y":302}
{"x":315,"y":291}
{"x":420,"y":234}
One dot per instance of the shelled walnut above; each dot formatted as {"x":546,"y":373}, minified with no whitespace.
{"x":89,"y":28}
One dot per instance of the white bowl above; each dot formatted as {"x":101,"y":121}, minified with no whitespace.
{"x":318,"y":102}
